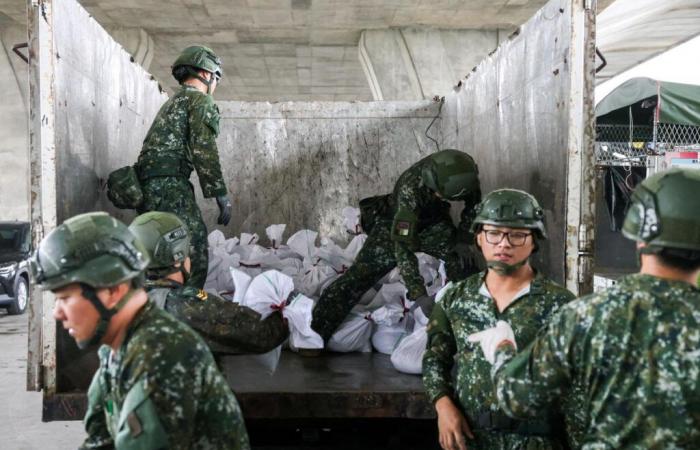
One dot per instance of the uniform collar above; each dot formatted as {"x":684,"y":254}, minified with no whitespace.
{"x":535,"y":287}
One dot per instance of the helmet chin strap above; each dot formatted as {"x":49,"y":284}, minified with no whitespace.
{"x":185,"y":273}
{"x":105,"y":314}
{"x":505,"y":269}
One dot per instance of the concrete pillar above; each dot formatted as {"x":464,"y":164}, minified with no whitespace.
{"x":14,"y":123}
{"x":416,"y":64}
{"x":136,"y":42}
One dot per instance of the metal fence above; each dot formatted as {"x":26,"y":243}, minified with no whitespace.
{"x":633,"y":146}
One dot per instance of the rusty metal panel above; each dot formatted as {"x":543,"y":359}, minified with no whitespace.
{"x":90,"y":108}
{"x":523,"y":113}
{"x":300,"y":163}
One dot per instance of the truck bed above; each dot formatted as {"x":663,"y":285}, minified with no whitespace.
{"x":331,"y":386}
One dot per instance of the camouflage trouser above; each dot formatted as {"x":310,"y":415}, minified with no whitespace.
{"x":501,"y":440}
{"x":229,"y":328}
{"x":377,"y":257}
{"x":176,"y":195}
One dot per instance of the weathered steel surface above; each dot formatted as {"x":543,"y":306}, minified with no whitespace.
{"x":90,"y":109}
{"x":300,"y":163}
{"x":331,"y":386}
{"x":41,"y":351}
{"x":523,"y":113}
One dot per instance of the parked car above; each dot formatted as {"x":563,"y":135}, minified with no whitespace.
{"x":15,"y":249}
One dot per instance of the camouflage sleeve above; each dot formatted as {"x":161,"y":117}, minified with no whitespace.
{"x":226,"y":326}
{"x":532,"y":380}
{"x":98,"y":436}
{"x":466,"y":218}
{"x":407,"y":201}
{"x":407,"y":262}
{"x":439,"y":355}
{"x":204,"y":128}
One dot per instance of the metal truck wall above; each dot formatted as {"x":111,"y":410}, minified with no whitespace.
{"x":524,"y":112}
{"x":300,"y":163}
{"x":91,"y":107}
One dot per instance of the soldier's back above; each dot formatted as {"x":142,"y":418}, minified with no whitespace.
{"x":636,"y":350}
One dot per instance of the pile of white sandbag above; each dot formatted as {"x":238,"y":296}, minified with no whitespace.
{"x":290,"y":277}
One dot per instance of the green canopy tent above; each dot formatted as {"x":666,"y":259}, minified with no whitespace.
{"x":650,"y":101}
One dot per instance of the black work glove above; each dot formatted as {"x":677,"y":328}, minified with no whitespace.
{"x":224,"y":210}
{"x":425,"y":302}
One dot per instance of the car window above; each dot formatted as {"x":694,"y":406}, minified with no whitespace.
{"x":10,"y":239}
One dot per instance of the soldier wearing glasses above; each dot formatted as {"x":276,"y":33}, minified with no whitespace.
{"x":508,"y":225}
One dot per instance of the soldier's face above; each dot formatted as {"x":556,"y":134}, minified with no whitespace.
{"x":75,"y":312}
{"x":515,"y":244}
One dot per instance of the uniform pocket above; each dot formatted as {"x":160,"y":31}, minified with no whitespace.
{"x":139,"y":427}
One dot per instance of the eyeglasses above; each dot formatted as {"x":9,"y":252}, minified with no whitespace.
{"x":515,"y":238}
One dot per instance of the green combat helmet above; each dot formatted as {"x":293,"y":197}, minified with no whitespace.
{"x":96,"y":251}
{"x":166,"y":240}
{"x":510,"y":208}
{"x":665,"y":212}
{"x":452,"y":174}
{"x":199,"y":57}
{"x":514,"y":209}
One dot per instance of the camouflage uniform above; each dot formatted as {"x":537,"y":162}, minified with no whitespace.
{"x":467,"y":308}
{"x":183,"y":138}
{"x":628,"y":358}
{"x":162,"y":369}
{"x":226,"y":326}
{"x":436,"y":236}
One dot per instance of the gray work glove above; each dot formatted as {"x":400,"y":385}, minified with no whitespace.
{"x":224,"y":210}
{"x":425,"y":302}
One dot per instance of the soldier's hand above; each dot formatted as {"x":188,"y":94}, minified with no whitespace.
{"x":452,"y":425}
{"x":224,"y":210}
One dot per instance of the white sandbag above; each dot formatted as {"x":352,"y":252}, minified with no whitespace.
{"x":353,"y":335}
{"x":268,"y":292}
{"x":274,"y":234}
{"x":351,"y":220}
{"x":262,"y":257}
{"x":291,"y":267}
{"x":314,"y":274}
{"x":354,"y":247}
{"x":216,"y":238}
{"x":298,"y":315}
{"x":249,"y":239}
{"x":303,"y":242}
{"x":219,"y":272}
{"x":241,"y":281}
{"x":408,"y":355}
{"x":388,"y":294}
{"x":333,"y":255}
{"x":230,"y":244}
{"x":385,"y":338}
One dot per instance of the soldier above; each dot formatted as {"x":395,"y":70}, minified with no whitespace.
{"x":414,"y":218}
{"x":508,"y":226}
{"x":226,"y":326}
{"x":157,"y":385}
{"x":183,"y":137}
{"x":628,"y":357}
